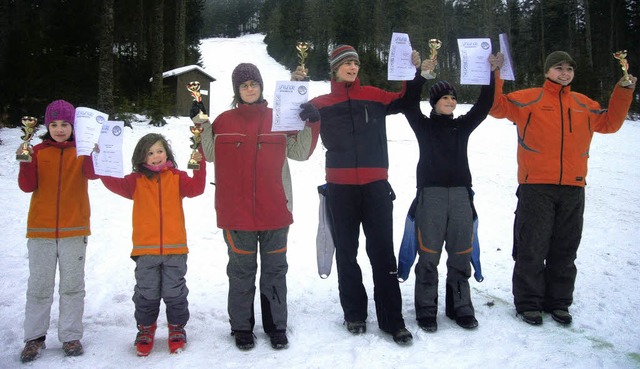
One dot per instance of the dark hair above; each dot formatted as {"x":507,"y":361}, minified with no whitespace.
{"x":142,"y":148}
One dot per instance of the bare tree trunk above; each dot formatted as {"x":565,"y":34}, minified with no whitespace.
{"x":181,"y":25}
{"x":105,"y":73}
{"x":157,"y":62}
{"x":588,"y":44}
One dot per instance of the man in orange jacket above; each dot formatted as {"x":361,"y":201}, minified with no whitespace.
{"x":555,"y":128}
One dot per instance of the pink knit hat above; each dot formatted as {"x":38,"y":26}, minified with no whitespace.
{"x":59,"y":110}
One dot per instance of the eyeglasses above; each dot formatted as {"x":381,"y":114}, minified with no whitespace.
{"x":246,"y":86}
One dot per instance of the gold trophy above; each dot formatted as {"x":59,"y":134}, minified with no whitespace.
{"x":28,"y":131}
{"x":303,"y":53}
{"x":196,"y":130}
{"x":194,"y":90}
{"x":434,"y":45}
{"x":198,"y":119}
{"x":624,"y":65}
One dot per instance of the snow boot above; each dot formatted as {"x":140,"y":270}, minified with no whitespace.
{"x":32,"y":349}
{"x":561,"y":316}
{"x":402,"y":337}
{"x":72,"y":348}
{"x":244,"y":339}
{"x":177,"y":338}
{"x":357,"y":327}
{"x":144,"y":339}
{"x":279,"y":339}
{"x":533,"y":317}
{"x":428,"y":324}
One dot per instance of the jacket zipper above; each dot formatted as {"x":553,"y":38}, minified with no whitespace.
{"x":58,"y":194}
{"x":160,"y":207}
{"x":561,"y":135}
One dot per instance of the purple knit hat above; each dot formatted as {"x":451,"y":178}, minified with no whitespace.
{"x":59,"y":110}
{"x":243,"y":73}
{"x":442,"y":88}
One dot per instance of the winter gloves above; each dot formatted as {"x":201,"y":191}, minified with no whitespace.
{"x":309,"y":112}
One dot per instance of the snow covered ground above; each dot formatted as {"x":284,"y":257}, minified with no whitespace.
{"x":605,"y":332}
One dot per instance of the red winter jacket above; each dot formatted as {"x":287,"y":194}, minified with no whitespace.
{"x":251,"y":170}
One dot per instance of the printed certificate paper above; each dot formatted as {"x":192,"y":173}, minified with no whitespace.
{"x":506,"y":72}
{"x":400,"y":67}
{"x":108,"y":162}
{"x":475,"y":68}
{"x":286,"y":107}
{"x":87,"y":129}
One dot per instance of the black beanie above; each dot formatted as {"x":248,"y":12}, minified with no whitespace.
{"x":243,"y":73}
{"x":556,"y":58}
{"x":440,"y":89}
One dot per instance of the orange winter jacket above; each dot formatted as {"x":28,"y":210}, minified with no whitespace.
{"x":158,"y":216}
{"x":58,"y":180}
{"x":555,"y":128}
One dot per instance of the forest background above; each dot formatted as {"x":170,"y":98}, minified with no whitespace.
{"x":110,"y":54}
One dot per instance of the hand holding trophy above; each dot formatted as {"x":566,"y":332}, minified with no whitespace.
{"x":624,"y":65}
{"x":198,"y":116}
{"x":301,"y":72}
{"x":434,"y":45}
{"x":28,"y":131}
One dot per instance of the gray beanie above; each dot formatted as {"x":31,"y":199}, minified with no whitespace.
{"x":558,"y":57}
{"x":243,"y":73}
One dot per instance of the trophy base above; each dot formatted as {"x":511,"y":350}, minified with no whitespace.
{"x":194,"y":166}
{"x":200,"y":118}
{"x":23,"y":158}
{"x":428,"y":74}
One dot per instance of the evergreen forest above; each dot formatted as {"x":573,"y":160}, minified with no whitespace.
{"x":110,"y":54}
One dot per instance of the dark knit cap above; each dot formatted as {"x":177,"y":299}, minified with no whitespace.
{"x":558,"y":57}
{"x":243,"y":73}
{"x":59,"y":110}
{"x":341,"y":54}
{"x":442,"y":88}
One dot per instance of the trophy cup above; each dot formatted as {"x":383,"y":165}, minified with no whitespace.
{"x":197,"y":119}
{"x":434,"y":45}
{"x":28,"y":130}
{"x":624,"y":65}
{"x":194,"y":90}
{"x":303,"y":48}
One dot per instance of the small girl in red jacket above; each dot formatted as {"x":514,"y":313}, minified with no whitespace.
{"x":160,"y":250}
{"x":57,"y":231}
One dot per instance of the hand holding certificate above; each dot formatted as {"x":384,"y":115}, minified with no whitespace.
{"x":475,"y":68}
{"x":108,"y":160}
{"x":87,"y":128}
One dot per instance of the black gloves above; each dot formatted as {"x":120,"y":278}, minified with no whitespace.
{"x":309,"y":112}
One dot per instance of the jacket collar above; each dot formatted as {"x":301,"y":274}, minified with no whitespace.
{"x":344,"y":88}
{"x":60,"y":145}
{"x":555,"y":87}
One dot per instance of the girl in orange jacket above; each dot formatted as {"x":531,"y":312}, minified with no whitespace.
{"x":57,"y":230}
{"x":160,"y":250}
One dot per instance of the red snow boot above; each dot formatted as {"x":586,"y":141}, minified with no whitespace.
{"x":177,"y":338}
{"x":144,"y":339}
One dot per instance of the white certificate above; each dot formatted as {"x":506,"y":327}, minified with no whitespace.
{"x":286,"y":106}
{"x":108,"y":162}
{"x":400,"y":67}
{"x":86,"y":129}
{"x":475,"y":68}
{"x":506,"y":72}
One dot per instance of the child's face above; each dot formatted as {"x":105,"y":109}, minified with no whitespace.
{"x":60,"y":130}
{"x":156,"y":155}
{"x":561,"y":73}
{"x":348,"y":71}
{"x":250,"y":91}
{"x":446,"y":105}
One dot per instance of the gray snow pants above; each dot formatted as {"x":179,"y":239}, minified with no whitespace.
{"x":548,"y":230}
{"x":161,"y":277}
{"x":444,"y":215}
{"x":44,"y":254}
{"x":242,"y":268}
